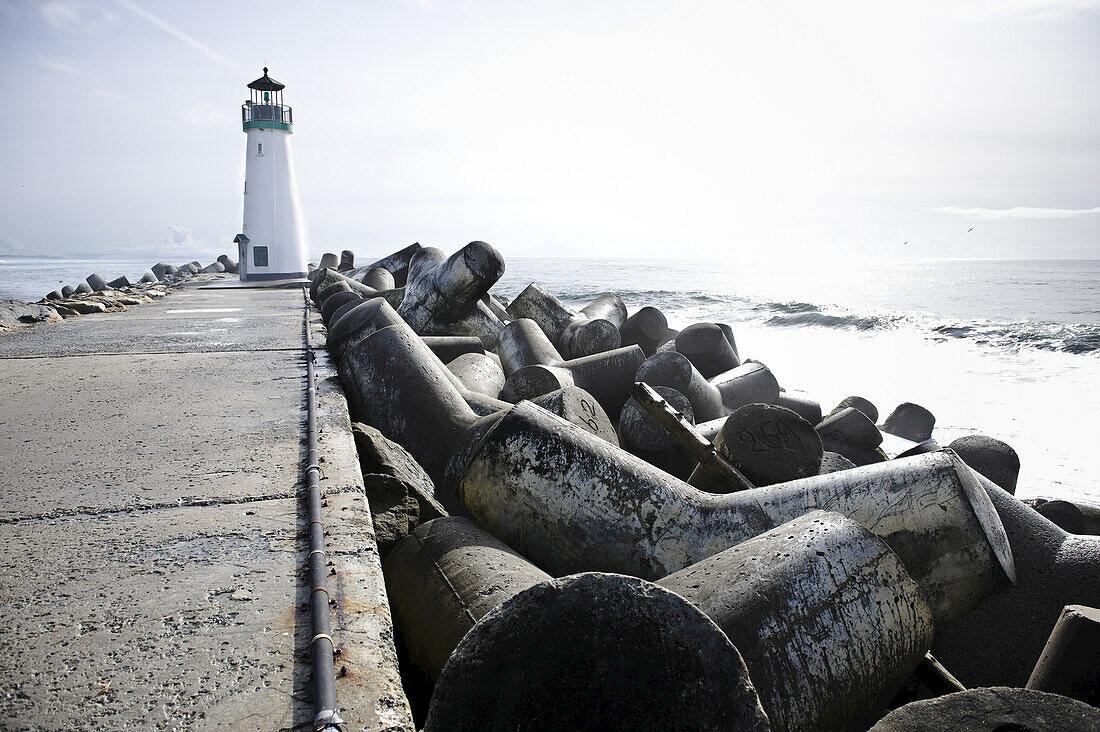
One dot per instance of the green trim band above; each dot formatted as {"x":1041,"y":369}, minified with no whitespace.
{"x":268,"y":124}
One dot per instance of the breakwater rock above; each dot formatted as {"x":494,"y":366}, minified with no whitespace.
{"x":558,"y":557}
{"x":96,"y":295}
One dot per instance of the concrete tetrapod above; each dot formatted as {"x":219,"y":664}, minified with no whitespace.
{"x":1000,"y":642}
{"x":534,"y":367}
{"x":993,"y":709}
{"x":443,"y":295}
{"x":674,"y":370}
{"x":708,"y":349}
{"x":571,"y":503}
{"x":478,"y":372}
{"x":769,"y":444}
{"x":397,"y":385}
{"x":398,"y":263}
{"x":1070,"y":662}
{"x":443,"y":578}
{"x":574,"y":334}
{"x":827,"y":618}
{"x":595,"y":651}
{"x":376,"y":277}
{"x":750,"y":383}
{"x":647,"y":328}
{"x":329,"y":260}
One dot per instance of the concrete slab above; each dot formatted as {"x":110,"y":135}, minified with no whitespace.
{"x":109,"y":433}
{"x":181,"y":617}
{"x":190,"y":612}
{"x":189,"y":320}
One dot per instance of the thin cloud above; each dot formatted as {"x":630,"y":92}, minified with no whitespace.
{"x":62,"y":67}
{"x":1018,"y":212}
{"x":104,"y":94}
{"x":206,"y":114}
{"x":76,"y":16}
{"x":167,"y":27}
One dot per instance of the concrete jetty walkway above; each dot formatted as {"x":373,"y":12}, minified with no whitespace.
{"x":152,"y":530}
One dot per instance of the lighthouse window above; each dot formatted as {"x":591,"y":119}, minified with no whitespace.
{"x":259,"y":256}
{"x":259,"y":148}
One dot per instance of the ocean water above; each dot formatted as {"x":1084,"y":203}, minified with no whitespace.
{"x":30,"y":278}
{"x":1006,"y":348}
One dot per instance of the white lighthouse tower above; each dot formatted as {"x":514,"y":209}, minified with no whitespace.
{"x":272,"y":243}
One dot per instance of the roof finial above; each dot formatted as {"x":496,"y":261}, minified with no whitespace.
{"x":265,"y":71}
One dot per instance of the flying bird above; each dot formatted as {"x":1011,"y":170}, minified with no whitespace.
{"x":970,"y":230}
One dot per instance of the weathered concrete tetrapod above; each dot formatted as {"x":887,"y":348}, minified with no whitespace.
{"x":534,"y":367}
{"x":83,"y":287}
{"x":335,"y":301}
{"x":769,"y":444}
{"x":229,"y":264}
{"x":67,"y":291}
{"x":999,"y":642}
{"x":398,"y":263}
{"x":642,"y":435}
{"x":96,"y":283}
{"x":571,"y":502}
{"x":330,"y":260}
{"x":750,"y":383}
{"x":397,"y":385}
{"x":574,"y":334}
{"x":674,"y":370}
{"x":802,"y":404}
{"x":647,"y":329}
{"x":478,"y":372}
{"x":708,"y":348}
{"x":825,"y":614}
{"x":443,"y":295}
{"x":379,"y":278}
{"x":851,"y":433}
{"x":1075,"y":518}
{"x":119,"y":282}
{"x":911,"y":421}
{"x":595,"y":651}
{"x":829,"y":619}
{"x":347,"y":261}
{"x":993,"y":709}
{"x":576,"y":405}
{"x":148,"y":277}
{"x":863,"y":405}
{"x":991,"y":457}
{"x":1070,"y":662}
{"x":448,"y":348}
{"x":443,"y":578}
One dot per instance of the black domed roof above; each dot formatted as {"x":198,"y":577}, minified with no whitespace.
{"x":266,"y":83}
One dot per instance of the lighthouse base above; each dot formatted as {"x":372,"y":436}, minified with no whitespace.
{"x":267,"y":276}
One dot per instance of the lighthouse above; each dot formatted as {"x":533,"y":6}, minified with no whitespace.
{"x":272,"y":242}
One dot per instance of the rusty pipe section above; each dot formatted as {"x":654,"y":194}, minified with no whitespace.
{"x":571,"y":502}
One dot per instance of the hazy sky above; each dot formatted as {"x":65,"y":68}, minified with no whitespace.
{"x":634,"y":128}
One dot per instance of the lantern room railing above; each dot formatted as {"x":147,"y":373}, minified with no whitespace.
{"x":266,"y":113}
